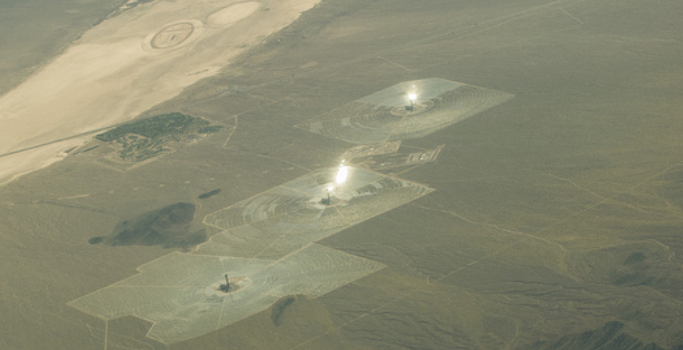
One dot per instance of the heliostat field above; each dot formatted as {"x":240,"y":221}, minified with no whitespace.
{"x":267,"y":244}
{"x":267,"y":250}
{"x":406,"y":110}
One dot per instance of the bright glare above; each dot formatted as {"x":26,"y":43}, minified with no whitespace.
{"x":412,"y":96}
{"x":330,"y":188}
{"x":342,"y":174}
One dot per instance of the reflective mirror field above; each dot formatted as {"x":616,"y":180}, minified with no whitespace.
{"x":341,"y":174}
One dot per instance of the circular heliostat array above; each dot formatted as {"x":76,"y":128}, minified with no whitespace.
{"x":236,"y":284}
{"x":418,"y":107}
{"x":173,"y":35}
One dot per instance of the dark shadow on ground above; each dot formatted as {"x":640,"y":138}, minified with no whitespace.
{"x":168,"y":227}
{"x":279,"y":309}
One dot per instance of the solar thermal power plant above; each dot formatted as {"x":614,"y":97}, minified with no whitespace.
{"x":341,"y":174}
{"x":269,"y":239}
{"x":400,"y":113}
{"x":181,"y":295}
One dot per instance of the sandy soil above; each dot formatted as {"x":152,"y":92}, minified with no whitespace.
{"x":556,"y":217}
{"x":113,"y":73}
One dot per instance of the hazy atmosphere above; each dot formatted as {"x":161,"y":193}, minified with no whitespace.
{"x":341,"y":174}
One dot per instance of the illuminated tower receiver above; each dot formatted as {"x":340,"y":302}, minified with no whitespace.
{"x":412,"y":97}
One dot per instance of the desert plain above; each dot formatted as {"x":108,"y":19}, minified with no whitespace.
{"x":552,"y":220}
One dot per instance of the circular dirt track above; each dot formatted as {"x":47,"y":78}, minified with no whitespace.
{"x":173,"y":35}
